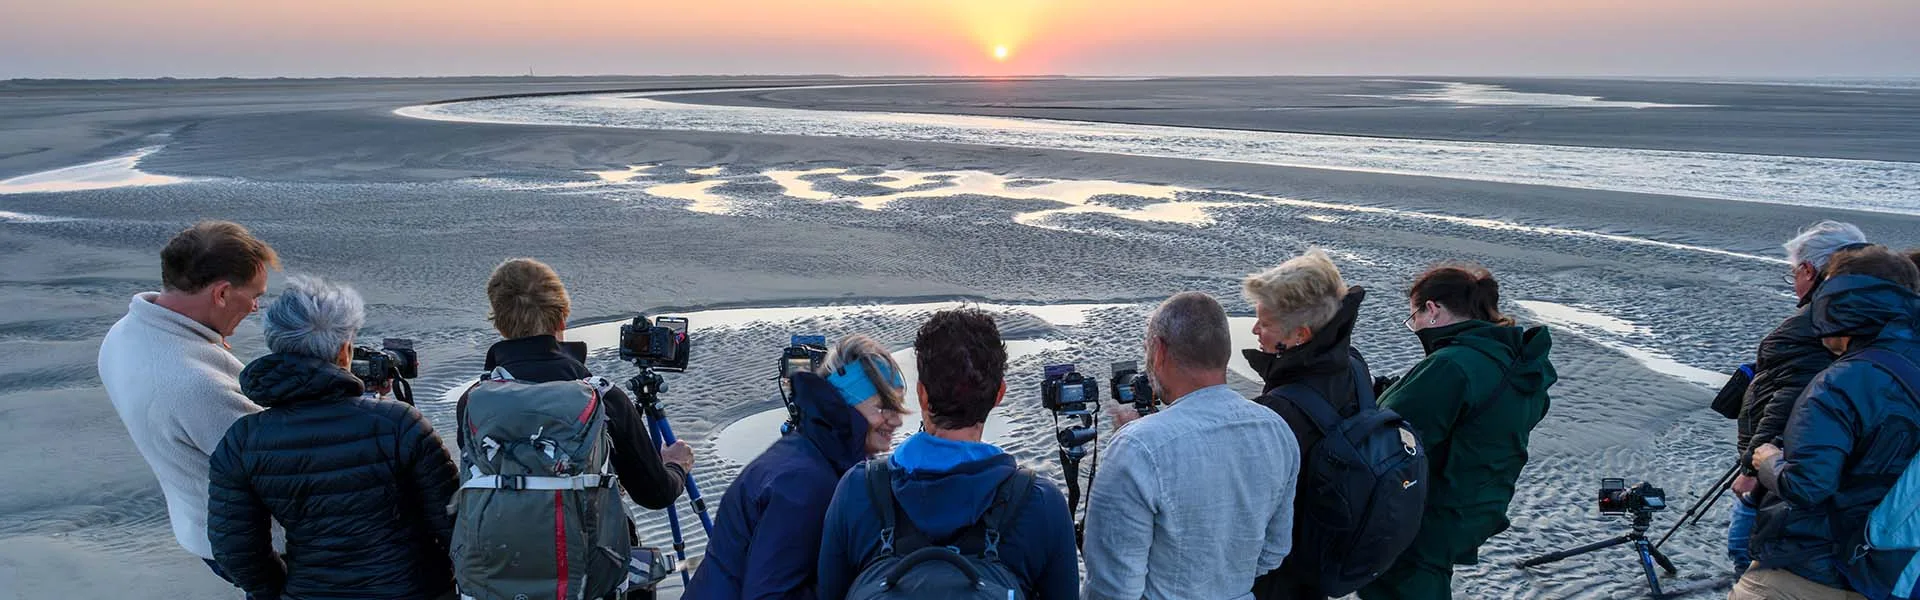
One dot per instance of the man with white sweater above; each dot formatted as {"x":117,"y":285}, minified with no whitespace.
{"x":168,"y":371}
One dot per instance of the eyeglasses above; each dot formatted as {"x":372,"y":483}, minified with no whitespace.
{"x":1792,"y":278}
{"x":1408,"y":323}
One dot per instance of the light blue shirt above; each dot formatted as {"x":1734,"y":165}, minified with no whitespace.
{"x":1194,"y":501}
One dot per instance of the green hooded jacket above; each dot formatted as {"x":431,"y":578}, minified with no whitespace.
{"x":1475,"y":450}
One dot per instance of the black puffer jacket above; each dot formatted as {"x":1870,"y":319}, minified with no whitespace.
{"x":1326,"y":364}
{"x":1789,"y":358}
{"x":360,"y":485}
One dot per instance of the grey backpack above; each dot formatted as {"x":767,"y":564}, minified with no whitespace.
{"x":910,"y":565}
{"x":538,"y":514}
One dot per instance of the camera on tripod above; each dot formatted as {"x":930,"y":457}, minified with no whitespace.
{"x":1617,"y":498}
{"x":390,"y":365}
{"x":660,"y":344}
{"x":1130,"y":386}
{"x":1066,"y":392}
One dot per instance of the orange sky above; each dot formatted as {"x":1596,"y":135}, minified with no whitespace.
{"x":430,"y":37}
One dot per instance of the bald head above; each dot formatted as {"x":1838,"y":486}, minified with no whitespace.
{"x":1192,"y":329}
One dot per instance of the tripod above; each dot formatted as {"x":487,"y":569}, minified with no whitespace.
{"x":647,"y":387}
{"x":1704,"y":504}
{"x":1642,"y":519}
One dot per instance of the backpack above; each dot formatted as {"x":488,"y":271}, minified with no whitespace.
{"x":538,"y":514}
{"x":1884,"y":564}
{"x":910,"y":565}
{"x":1362,"y":488}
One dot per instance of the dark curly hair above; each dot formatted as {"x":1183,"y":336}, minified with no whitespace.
{"x":962,"y":365}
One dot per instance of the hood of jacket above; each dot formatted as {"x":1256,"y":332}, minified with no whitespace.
{"x":1864,"y":306}
{"x":285,"y":379}
{"x":945,"y":485}
{"x":538,"y":358}
{"x":1524,"y":348}
{"x":1326,"y":353}
{"x":826,"y":420}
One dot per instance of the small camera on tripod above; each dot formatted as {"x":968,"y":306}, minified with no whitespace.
{"x":1617,"y":498}
{"x":660,"y":344}
{"x":1130,"y":386}
{"x":1068,"y":393}
{"x":803,"y":354}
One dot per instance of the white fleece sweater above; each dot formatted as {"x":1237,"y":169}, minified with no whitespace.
{"x":177,"y":389}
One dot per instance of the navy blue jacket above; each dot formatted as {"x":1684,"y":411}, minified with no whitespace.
{"x":944,"y":487}
{"x":766,"y":537}
{"x":361,"y":486}
{"x":1851,"y":435}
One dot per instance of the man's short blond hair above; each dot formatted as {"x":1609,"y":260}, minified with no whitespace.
{"x":1304,"y":292}
{"x":527,"y":299}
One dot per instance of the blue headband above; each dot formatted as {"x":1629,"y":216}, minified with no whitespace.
{"x":853,"y":384}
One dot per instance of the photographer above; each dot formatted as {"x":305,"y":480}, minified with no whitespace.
{"x":766,"y":537}
{"x":169,"y":373}
{"x":530,"y":308}
{"x":945,"y":484}
{"x":1305,"y":327}
{"x":361,"y":485}
{"x":1788,"y":359}
{"x":1196,"y":500}
{"x":1474,"y":401}
{"x":1851,"y":434}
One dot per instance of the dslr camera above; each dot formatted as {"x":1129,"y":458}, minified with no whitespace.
{"x":1130,"y":386}
{"x":1617,"y":498}
{"x":379,"y":367}
{"x":803,"y":354}
{"x":660,"y":344}
{"x":1066,"y":392}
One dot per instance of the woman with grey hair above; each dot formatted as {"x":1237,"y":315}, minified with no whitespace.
{"x":766,"y":537}
{"x":361,"y":484}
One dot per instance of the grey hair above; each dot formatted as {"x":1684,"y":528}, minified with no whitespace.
{"x":313,"y":317}
{"x":1193,"y":328}
{"x":1816,"y":244}
{"x":848,"y":352}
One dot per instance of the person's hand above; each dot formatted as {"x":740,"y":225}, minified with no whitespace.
{"x":1122,"y":414}
{"x":1744,"y":484}
{"x":679,"y":453}
{"x":1764,"y":455}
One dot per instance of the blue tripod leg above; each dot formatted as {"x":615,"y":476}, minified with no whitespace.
{"x":673,"y":510}
{"x":693,"y":489}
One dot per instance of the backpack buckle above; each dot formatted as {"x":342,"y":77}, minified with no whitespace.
{"x":993,"y":544}
{"x":886,"y":541}
{"x":513,"y":482}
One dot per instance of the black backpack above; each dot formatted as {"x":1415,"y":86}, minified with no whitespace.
{"x":910,"y":565}
{"x":1362,"y":488}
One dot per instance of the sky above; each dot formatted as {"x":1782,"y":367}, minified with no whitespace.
{"x":267,"y":38}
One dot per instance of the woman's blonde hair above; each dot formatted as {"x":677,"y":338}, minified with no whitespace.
{"x":849,"y":352}
{"x":1304,"y":292}
{"x":527,"y":299}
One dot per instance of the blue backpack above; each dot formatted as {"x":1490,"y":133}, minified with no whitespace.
{"x":1884,"y":564}
{"x":1362,"y":489}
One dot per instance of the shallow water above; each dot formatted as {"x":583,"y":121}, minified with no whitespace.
{"x":1854,"y":184}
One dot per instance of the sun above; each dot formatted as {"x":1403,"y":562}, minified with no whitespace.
{"x":999,"y":52}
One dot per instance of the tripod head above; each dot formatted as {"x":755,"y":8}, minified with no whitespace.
{"x":647,"y":385}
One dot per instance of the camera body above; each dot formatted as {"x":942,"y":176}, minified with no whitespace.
{"x":1130,"y":386}
{"x":803,"y":354}
{"x":1617,"y":498}
{"x":378,"y":367}
{"x":661,"y":343}
{"x":1067,"y":392}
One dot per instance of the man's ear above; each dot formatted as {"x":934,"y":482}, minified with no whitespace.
{"x":1001,"y":396}
{"x":219,"y":291}
{"x":920,"y":390}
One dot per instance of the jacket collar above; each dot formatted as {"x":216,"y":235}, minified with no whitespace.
{"x":534,"y":348}
{"x":160,"y":317}
{"x":280,"y":379}
{"x":1327,"y":352}
{"x":826,"y":420}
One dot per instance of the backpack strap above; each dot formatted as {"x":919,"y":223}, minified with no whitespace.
{"x":1008,"y":500}
{"x":1499,"y":389}
{"x":898,"y":536}
{"x":1320,"y":410}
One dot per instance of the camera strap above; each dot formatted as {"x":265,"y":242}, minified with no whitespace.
{"x":1499,"y":389}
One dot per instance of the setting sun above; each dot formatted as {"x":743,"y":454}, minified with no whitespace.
{"x":1000,"y":52}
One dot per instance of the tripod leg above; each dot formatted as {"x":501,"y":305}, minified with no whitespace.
{"x":1647,"y":554}
{"x":1665,"y":563}
{"x":1704,"y":504}
{"x":1564,"y":554}
{"x":693,"y":489}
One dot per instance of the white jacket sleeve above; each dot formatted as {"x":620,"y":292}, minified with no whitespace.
{"x":205,"y":415}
